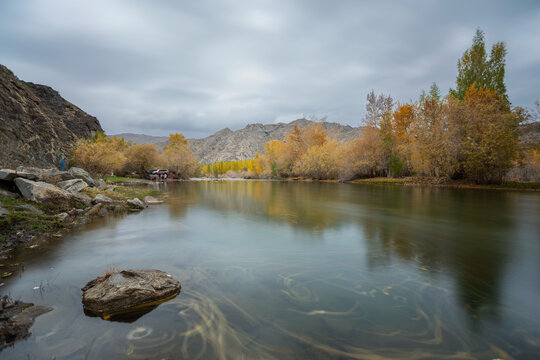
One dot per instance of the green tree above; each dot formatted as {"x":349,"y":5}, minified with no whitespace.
{"x":474,"y":67}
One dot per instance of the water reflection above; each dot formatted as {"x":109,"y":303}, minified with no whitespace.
{"x":460,"y":232}
{"x":291,"y":270}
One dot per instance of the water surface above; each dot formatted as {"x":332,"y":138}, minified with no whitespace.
{"x":291,"y":270}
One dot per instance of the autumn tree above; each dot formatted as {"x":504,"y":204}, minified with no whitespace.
{"x":100,"y":155}
{"x":474,"y":67}
{"x":178,"y":157}
{"x":140,"y":158}
{"x":489,"y":134}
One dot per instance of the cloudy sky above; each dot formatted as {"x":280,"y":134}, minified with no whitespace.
{"x":196,"y":67}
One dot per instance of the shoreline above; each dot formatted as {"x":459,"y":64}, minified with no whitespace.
{"x":408,"y":181}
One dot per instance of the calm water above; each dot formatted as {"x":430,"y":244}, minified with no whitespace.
{"x":297,"y":270}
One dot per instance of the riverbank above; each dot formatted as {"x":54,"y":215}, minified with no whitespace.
{"x":457,"y":184}
{"x":26,"y":222}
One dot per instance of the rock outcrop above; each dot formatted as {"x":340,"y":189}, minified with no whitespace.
{"x":37,"y":126}
{"x":122,"y":291}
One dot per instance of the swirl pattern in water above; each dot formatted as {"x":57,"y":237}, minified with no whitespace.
{"x":281,"y":270}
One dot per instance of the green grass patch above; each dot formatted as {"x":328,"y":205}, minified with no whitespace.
{"x":126,"y":192}
{"x":380,"y":181}
{"x":119,"y":179}
{"x":518,"y":185}
{"x":24,"y":220}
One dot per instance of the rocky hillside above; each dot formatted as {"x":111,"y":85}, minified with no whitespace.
{"x":37,"y":126}
{"x":141,"y":139}
{"x":227,"y":145}
{"x":243,"y":144}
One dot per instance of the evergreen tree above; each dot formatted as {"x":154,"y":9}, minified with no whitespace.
{"x":474,"y":67}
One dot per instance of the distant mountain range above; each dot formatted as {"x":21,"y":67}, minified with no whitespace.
{"x":243,"y":144}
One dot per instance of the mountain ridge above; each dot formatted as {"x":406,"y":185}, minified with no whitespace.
{"x":243,"y":144}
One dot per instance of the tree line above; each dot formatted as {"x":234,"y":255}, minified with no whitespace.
{"x":102,"y":155}
{"x":471,"y":133}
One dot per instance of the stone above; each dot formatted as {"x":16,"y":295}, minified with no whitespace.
{"x":7,"y":174}
{"x":8,"y":194}
{"x":124,"y":290}
{"x":101,"y":184}
{"x":73,"y":185}
{"x":150,"y":200}
{"x":136,"y":204}
{"x":16,"y":318}
{"x":100,"y":198}
{"x":79,"y":173}
{"x":62,"y":216}
{"x":85,"y":199}
{"x":44,"y":193}
{"x":103,"y":212}
{"x":94,"y":210}
{"x":28,"y":175}
{"x":3,"y":212}
{"x":66,"y":176}
{"x":29,"y":208}
{"x":75,"y":212}
{"x":111,"y":188}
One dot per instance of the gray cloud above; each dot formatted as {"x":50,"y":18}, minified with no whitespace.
{"x":196,"y":67}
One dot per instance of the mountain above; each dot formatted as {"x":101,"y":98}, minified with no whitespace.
{"x":243,"y":144}
{"x":37,"y":125}
{"x":141,"y":138}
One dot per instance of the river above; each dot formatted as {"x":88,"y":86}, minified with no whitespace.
{"x":288,"y":270}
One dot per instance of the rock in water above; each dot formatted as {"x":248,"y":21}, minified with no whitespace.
{"x":136,"y":204}
{"x":126,"y":291}
{"x":150,"y":200}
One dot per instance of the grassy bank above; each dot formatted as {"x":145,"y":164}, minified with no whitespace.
{"x":427,"y":181}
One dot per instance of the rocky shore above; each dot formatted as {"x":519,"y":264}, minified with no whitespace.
{"x":36,"y":204}
{"x":39,"y":204}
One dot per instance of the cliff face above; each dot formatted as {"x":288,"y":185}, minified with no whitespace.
{"x":37,"y":126}
{"x":228,"y":145}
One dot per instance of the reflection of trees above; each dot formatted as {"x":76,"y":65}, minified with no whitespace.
{"x":457,"y":232}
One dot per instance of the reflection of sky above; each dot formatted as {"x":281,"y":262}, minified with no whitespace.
{"x":287,"y":250}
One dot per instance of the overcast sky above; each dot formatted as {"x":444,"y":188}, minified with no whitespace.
{"x":195,"y":67}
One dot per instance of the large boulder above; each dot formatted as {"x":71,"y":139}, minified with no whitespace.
{"x":44,"y":193}
{"x":79,"y":173}
{"x":122,"y":291}
{"x":73,"y":185}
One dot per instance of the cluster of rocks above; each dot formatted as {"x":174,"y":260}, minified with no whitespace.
{"x":61,"y":192}
{"x":58,"y":189}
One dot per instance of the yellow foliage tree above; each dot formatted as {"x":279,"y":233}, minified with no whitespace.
{"x":178,"y":157}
